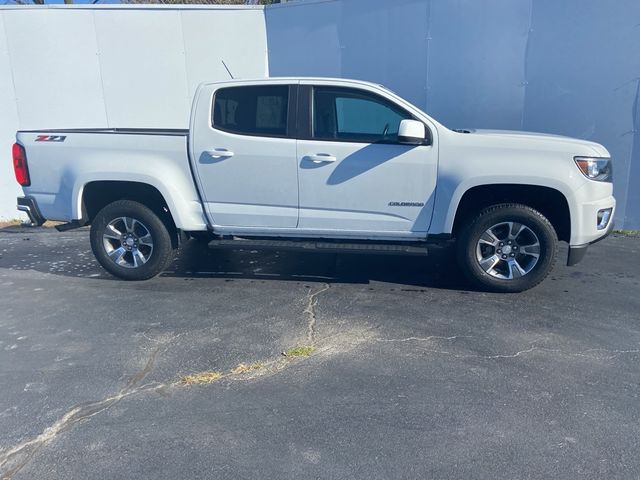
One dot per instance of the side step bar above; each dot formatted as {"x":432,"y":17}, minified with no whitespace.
{"x":65,"y":227}
{"x":369,"y":248}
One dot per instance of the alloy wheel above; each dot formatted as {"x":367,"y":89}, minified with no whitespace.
{"x":508,"y":250}
{"x":127,"y":242}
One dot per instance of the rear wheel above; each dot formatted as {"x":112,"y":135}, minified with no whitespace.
{"x":507,"y":248}
{"x":130,"y":241}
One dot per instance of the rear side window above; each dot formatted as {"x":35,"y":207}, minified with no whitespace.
{"x":347,"y":114}
{"x":252,"y":110}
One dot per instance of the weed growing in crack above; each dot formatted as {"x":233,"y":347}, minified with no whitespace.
{"x":246,"y":368}
{"x":201,"y":378}
{"x":302,"y":351}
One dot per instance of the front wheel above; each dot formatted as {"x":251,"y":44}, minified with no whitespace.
{"x":507,"y":248}
{"x":130,"y":241}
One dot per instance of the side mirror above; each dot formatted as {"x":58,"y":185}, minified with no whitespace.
{"x":411,"y":132}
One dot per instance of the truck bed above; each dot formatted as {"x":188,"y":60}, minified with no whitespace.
{"x":62,"y":162}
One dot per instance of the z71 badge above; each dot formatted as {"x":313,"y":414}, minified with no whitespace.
{"x":50,"y":138}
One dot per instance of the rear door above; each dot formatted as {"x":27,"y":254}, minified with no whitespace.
{"x":245,"y":154}
{"x":354,"y":174}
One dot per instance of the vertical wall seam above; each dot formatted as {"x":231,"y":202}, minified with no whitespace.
{"x":428,"y":50}
{"x":99,"y":61}
{"x":184,"y":57}
{"x":525,"y":82}
{"x":13,"y":189}
{"x":13,"y":79}
{"x":635,"y":141}
{"x":267,"y":67}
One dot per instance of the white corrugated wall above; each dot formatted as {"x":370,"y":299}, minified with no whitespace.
{"x":115,"y":66}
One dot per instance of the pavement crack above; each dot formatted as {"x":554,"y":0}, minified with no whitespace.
{"x":532,"y":349}
{"x":310,"y":310}
{"x":421,"y":339}
{"x":605,"y":354}
{"x":584,"y":354}
{"x":512,"y":355}
{"x":18,"y":456}
{"x":615,"y":353}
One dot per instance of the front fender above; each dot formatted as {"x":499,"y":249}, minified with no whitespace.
{"x":448,"y":196}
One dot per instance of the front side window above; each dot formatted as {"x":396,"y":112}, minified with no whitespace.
{"x":348,"y":114}
{"x":252,"y":110}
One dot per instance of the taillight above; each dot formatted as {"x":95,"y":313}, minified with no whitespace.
{"x":20,"y":165}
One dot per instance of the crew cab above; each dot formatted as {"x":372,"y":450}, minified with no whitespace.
{"x":322,"y":164}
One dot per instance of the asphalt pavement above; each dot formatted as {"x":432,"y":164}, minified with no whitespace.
{"x":322,"y":366}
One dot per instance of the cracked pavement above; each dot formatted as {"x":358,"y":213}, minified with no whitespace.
{"x":413,"y":376}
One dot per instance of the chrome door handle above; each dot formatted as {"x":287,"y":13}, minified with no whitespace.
{"x":322,"y":158}
{"x":220,"y":153}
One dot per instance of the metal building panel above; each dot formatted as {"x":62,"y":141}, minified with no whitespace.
{"x":304,"y":40}
{"x":438,"y":55}
{"x":632,"y":210}
{"x":387,"y":45}
{"x":583,"y":68}
{"x":236,"y":36}
{"x":9,"y":189}
{"x":476,"y":62}
{"x":142,"y":63}
{"x":55,"y":69}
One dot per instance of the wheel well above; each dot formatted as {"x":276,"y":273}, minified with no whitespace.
{"x":97,"y":195}
{"x":548,"y":201}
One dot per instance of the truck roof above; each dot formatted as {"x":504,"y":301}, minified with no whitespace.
{"x":297,"y":79}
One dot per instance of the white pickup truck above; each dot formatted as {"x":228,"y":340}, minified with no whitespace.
{"x":323,"y":164}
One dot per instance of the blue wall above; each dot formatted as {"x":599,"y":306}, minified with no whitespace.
{"x":570,"y":67}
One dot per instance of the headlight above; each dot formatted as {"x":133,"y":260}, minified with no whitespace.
{"x":599,"y":169}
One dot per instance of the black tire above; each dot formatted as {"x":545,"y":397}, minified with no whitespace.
{"x":148,"y":227}
{"x":491,"y":224}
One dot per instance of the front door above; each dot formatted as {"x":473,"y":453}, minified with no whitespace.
{"x":245,"y":157}
{"x":355,"y":177}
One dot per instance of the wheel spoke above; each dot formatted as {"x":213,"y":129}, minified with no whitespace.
{"x":138,"y":228}
{"x":515,"y":229}
{"x":128,"y":223}
{"x":112,"y":232}
{"x":138,"y":258}
{"x":489,"y":263}
{"x":515,"y":270}
{"x":489,"y":238}
{"x":531,"y":250}
{"x":146,"y":240}
{"x":117,"y":255}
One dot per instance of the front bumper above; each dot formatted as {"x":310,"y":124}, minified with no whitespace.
{"x":577,"y":252}
{"x":30,"y":207}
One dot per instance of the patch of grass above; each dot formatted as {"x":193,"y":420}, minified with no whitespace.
{"x":204,"y":378}
{"x":51,"y":224}
{"x":246,"y":368}
{"x":302,"y":351}
{"x":10,"y":223}
{"x":16,"y":222}
{"x":632,"y":233}
{"x":201,"y":378}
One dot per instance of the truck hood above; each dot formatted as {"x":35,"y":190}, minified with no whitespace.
{"x":535,"y":140}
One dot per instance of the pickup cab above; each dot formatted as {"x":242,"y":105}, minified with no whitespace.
{"x":322,"y":164}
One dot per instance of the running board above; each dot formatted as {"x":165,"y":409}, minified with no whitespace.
{"x":367,"y":248}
